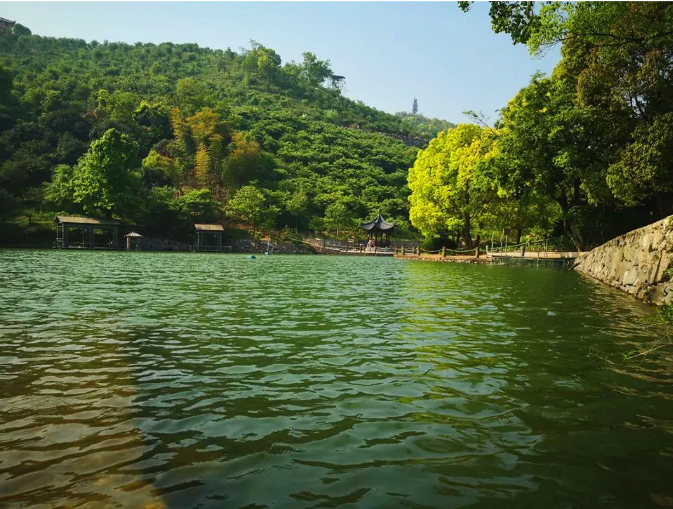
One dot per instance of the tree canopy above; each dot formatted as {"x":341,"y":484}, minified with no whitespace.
{"x":589,"y":147}
{"x":150,"y":126}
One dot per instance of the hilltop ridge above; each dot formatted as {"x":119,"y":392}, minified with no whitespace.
{"x":206,"y":122}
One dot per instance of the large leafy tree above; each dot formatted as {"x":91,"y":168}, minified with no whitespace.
{"x":338,"y":216}
{"x":595,"y":136}
{"x":106,"y":179}
{"x":449,"y":190}
{"x":250,"y":204}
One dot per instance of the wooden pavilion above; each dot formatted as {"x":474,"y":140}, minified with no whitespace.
{"x":86,"y":232}
{"x":209,"y":237}
{"x":133,"y":241}
{"x":379,"y":230}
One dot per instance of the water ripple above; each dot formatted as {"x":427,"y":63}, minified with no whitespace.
{"x":195,"y":380}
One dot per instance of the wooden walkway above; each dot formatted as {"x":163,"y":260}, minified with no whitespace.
{"x":491,"y":257}
{"x":539,"y":255}
{"x":334,"y":248}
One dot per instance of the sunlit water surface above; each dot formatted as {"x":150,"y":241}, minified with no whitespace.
{"x":201,"y":380}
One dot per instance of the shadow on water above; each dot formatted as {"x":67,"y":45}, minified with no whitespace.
{"x":185,"y":380}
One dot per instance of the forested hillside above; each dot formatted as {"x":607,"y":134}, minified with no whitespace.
{"x":170,"y":134}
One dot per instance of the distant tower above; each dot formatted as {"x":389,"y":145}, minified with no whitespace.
{"x":414,"y":108}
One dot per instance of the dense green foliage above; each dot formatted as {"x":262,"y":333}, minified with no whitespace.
{"x":450,"y":193}
{"x":587,"y":150}
{"x":165,"y":135}
{"x":424,"y":126}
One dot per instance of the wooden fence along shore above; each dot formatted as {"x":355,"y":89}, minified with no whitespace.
{"x":536,"y":250}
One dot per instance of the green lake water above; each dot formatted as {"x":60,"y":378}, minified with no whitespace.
{"x":204,"y":380}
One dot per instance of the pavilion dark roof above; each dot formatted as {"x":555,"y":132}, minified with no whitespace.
{"x":209,"y":227}
{"x":85,"y":220}
{"x":379,"y":224}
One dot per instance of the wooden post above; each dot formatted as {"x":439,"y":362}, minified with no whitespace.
{"x":128,"y":243}
{"x":545,"y":247}
{"x":476,"y":251}
{"x":402,"y":250}
{"x":443,"y":251}
{"x":523,"y":250}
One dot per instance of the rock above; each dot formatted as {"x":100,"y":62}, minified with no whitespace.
{"x":635,"y":262}
{"x":630,"y":277}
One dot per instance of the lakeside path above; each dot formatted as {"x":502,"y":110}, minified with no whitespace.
{"x":488,"y":258}
{"x":440,"y":258}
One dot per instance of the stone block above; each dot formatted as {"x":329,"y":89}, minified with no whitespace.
{"x":645,"y":243}
{"x":630,"y":277}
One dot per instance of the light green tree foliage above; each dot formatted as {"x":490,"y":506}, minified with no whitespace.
{"x":60,"y":189}
{"x":105,"y":179}
{"x":161,"y":167}
{"x":449,"y":192}
{"x":296,"y":204}
{"x":197,"y":204}
{"x":250,"y":204}
{"x":191,"y":95}
{"x":338,"y":217}
{"x":119,"y":106}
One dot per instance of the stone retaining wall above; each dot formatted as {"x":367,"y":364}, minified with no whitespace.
{"x":635,"y":262}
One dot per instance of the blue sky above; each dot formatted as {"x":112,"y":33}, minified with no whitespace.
{"x":389,"y":52}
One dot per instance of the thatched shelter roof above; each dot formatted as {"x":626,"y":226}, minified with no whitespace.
{"x":85,"y":220}
{"x":133,"y":234}
{"x":209,"y":227}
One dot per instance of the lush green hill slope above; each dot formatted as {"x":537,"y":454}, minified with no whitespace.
{"x":165,"y":135}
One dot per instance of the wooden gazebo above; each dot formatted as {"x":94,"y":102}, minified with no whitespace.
{"x":88,"y":226}
{"x":379,"y":230}
{"x":133,"y":241}
{"x":209,"y":237}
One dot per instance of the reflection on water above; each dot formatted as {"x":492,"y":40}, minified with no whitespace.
{"x":200,"y":380}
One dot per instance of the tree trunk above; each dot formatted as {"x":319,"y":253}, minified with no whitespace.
{"x":575,"y":236}
{"x":466,"y":233}
{"x":457,"y":237}
{"x":663,"y":202}
{"x":568,"y":226}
